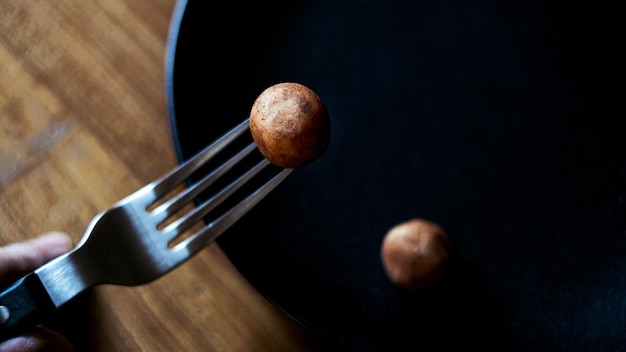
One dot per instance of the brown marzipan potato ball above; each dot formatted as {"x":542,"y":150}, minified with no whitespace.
{"x":415,"y":254}
{"x":290,"y":125}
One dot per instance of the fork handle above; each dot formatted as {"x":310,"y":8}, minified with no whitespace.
{"x":23,"y":305}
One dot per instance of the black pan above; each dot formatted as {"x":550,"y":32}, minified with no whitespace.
{"x":502,"y":121}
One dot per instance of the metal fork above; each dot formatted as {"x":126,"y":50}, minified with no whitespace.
{"x":130,"y":244}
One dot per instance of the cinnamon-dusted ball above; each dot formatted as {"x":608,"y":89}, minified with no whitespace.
{"x":290,"y":125}
{"x":415,"y":254}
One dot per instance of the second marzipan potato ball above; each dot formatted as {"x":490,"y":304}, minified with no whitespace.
{"x":415,"y":254}
{"x":290,"y":125}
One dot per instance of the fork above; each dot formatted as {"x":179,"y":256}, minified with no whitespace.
{"x":131,"y":243}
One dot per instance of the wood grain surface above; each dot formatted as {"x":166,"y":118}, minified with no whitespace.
{"x":83,"y":123}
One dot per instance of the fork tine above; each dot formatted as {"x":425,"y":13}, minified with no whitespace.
{"x":212,"y":230}
{"x":187,"y":195}
{"x":193,"y":216}
{"x":165,"y":184}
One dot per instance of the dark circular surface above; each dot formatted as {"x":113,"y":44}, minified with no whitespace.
{"x":502,"y":121}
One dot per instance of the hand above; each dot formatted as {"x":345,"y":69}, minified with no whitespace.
{"x":17,"y":260}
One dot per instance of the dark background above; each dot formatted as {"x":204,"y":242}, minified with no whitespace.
{"x":502,"y":121}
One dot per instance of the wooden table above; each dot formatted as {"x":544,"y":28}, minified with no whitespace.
{"x":83,"y":123}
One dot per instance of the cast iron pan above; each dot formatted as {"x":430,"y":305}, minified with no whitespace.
{"x":502,"y":121}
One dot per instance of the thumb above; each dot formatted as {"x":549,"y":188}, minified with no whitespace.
{"x":19,"y":258}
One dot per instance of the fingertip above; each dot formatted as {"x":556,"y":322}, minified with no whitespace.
{"x":16,"y":259}
{"x":38,"y":340}
{"x":53,"y":243}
